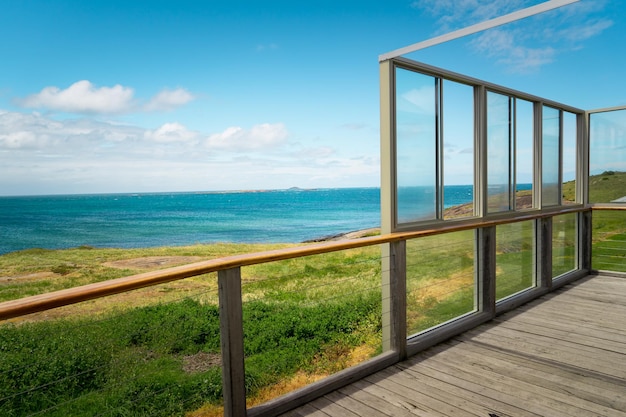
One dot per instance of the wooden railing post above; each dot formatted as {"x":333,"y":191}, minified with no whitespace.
{"x":394,"y":298}
{"x":585,"y":237}
{"x":544,"y":253}
{"x":486,"y":270}
{"x":231,"y":333}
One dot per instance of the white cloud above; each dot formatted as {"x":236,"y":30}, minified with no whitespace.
{"x":261,"y":136}
{"x":418,"y":100}
{"x":502,"y":45}
{"x":523,"y":46}
{"x":169,"y":99}
{"x":45,"y":135}
{"x":589,"y":30}
{"x":455,"y":14}
{"x":82,"y":97}
{"x":40,"y":155}
{"x":171,"y":132}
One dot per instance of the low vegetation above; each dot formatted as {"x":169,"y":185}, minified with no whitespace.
{"x":156,"y":351}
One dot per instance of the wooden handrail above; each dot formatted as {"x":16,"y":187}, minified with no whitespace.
{"x":608,"y":206}
{"x":42,"y":302}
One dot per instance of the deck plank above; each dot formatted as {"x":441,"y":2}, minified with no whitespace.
{"x":561,"y":355}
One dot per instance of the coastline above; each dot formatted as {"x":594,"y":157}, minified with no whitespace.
{"x":355,"y":234}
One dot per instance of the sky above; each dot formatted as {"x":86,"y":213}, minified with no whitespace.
{"x":188,"y":95}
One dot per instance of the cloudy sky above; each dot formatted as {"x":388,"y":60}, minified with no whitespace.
{"x":189,"y":95}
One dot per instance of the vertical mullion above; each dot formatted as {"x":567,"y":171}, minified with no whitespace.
{"x":560,"y":175}
{"x":439,"y":147}
{"x":480,"y":151}
{"x":511,"y":153}
{"x":538,"y":153}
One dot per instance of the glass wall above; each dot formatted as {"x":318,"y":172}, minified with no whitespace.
{"x":607,"y":156}
{"x":499,"y":152}
{"x":435,"y":148}
{"x":458,"y":150}
{"x":439,"y":279}
{"x":607,"y":184}
{"x":563,"y":244}
{"x":524,"y":154}
{"x":515,"y":259}
{"x":457,"y":142}
{"x":510,"y":155}
{"x":416,"y":146}
{"x":568,"y":191}
{"x":550,"y":157}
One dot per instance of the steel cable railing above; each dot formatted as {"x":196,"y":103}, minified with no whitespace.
{"x":337,"y":284}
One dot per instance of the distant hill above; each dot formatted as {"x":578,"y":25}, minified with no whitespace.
{"x":603,"y":188}
{"x":606,"y":187}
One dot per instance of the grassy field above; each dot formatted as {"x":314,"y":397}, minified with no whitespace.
{"x":156,"y":351}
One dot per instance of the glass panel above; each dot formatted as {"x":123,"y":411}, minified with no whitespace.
{"x":550,"y":157}
{"x":308,"y":318}
{"x":607,"y":157}
{"x":515,"y":261}
{"x":458,"y":150}
{"x":498,"y":152}
{"x":440,"y":279}
{"x":416,"y":141}
{"x":609,"y":241}
{"x":569,"y":158}
{"x":563,"y":244}
{"x":524,"y":164}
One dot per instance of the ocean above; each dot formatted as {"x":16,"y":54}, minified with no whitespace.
{"x":168,"y":219}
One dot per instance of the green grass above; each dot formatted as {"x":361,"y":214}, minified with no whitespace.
{"x":129,"y":355}
{"x":128,"y":359}
{"x":132,"y":364}
{"x":84,"y":265}
{"x":606,"y":187}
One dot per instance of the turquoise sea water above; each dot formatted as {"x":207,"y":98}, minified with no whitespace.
{"x":164,"y":219}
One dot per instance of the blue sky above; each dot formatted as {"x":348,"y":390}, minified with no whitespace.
{"x":143,"y":96}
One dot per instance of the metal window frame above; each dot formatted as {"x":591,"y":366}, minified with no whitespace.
{"x":389,"y":197}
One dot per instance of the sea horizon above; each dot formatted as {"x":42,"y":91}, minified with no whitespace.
{"x":150,"y":219}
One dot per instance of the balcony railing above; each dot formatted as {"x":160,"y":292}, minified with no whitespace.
{"x":442,"y":281}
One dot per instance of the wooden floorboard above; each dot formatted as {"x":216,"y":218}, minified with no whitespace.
{"x":561,"y":355}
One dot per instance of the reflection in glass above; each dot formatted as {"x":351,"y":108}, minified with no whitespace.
{"x":609,"y":241}
{"x":563,"y":244}
{"x":458,"y":149}
{"x":515,"y":261}
{"x":416,"y":142}
{"x":550,"y":157}
{"x":607,"y":143}
{"x":524,"y":155}
{"x":499,"y":124}
{"x":569,"y":158}
{"x":439,"y":279}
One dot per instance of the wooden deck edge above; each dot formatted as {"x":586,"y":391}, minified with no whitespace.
{"x":614,"y":274}
{"x":317,"y":389}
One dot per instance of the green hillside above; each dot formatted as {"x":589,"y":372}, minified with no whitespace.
{"x":603,"y":188}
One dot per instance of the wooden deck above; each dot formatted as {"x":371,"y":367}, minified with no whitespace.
{"x":561,"y":355}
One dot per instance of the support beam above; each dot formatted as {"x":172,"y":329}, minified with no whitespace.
{"x":479,"y":27}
